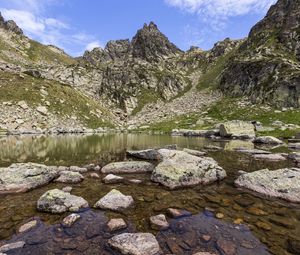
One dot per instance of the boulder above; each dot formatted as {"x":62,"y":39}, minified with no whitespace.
{"x":111,"y":179}
{"x":58,"y":201}
{"x":267,"y":140}
{"x":282,"y":183}
{"x":116,"y":224}
{"x":25,"y":176}
{"x":115,"y":201}
{"x":135,"y":244}
{"x":180,"y":169}
{"x":128,"y":167}
{"x":69,"y":177}
{"x":159,"y":222}
{"x":238,"y":129}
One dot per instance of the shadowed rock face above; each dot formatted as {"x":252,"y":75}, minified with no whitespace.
{"x":10,"y":25}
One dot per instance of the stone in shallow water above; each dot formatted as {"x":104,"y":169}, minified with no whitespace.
{"x":195,"y":152}
{"x":267,"y":140}
{"x":78,"y":169}
{"x":159,"y":222}
{"x":177,"y":213}
{"x":116,"y":224}
{"x":115,"y":201}
{"x":25,"y":176}
{"x":127,"y":167}
{"x":282,"y":183}
{"x":180,"y":169}
{"x":251,"y":151}
{"x":135,"y":244}
{"x":58,"y":201}
{"x":27,"y":226}
{"x":237,"y":128}
{"x":67,"y":189}
{"x":69,"y":177}
{"x":70,"y":219}
{"x":270,"y":157}
{"x":12,"y":246}
{"x":111,"y":178}
{"x":149,"y":154}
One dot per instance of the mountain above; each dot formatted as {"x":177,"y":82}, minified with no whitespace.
{"x":266,"y":67}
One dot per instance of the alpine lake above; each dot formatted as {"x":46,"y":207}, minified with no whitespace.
{"x":273,"y":222}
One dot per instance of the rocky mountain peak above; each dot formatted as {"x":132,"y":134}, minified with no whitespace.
{"x":151,"y":44}
{"x":118,"y":49}
{"x":10,"y":25}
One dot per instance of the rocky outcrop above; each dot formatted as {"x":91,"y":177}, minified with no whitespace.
{"x":58,"y":201}
{"x":25,"y":176}
{"x":282,"y":183}
{"x":135,"y":244}
{"x":10,"y":25}
{"x":180,"y":169}
{"x":266,"y":67}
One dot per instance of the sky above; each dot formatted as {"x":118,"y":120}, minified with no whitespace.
{"x":79,"y":25}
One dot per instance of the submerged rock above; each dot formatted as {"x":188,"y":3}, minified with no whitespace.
{"x":12,"y":246}
{"x":116,"y":224}
{"x":115,"y":201}
{"x":111,"y":178}
{"x":25,"y":176}
{"x":70,"y":219}
{"x":195,"y":152}
{"x":267,"y":140}
{"x":238,"y":129}
{"x":180,"y":169}
{"x":282,"y":183}
{"x":270,"y":157}
{"x":251,"y":151}
{"x":27,"y":226}
{"x":69,"y":177}
{"x":159,"y":222}
{"x":128,"y":167}
{"x":58,"y":201}
{"x":135,"y":244}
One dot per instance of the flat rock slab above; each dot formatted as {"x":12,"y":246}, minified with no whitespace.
{"x":195,"y":152}
{"x":135,"y":244}
{"x":282,"y":183}
{"x":251,"y":151}
{"x":115,"y":201}
{"x":200,"y":232}
{"x":270,"y":157}
{"x":25,"y":176}
{"x":149,"y":154}
{"x":180,"y":169}
{"x":128,"y":167}
{"x":58,"y":201}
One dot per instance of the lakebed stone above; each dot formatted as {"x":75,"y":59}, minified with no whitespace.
{"x":12,"y":246}
{"x":135,"y":244}
{"x":111,"y":179}
{"x":27,"y":226}
{"x":127,"y":167}
{"x":159,"y":222}
{"x":70,"y":219}
{"x":282,"y":183}
{"x":116,"y":224}
{"x":58,"y":201}
{"x":180,"y":169}
{"x":115,"y":201}
{"x":270,"y":157}
{"x":195,"y":152}
{"x":23,"y":177}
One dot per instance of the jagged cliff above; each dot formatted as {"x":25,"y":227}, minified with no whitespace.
{"x":266,"y":67}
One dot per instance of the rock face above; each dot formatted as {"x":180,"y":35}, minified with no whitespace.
{"x":135,"y":244}
{"x":282,"y":183}
{"x":24,"y":177}
{"x":266,"y":67}
{"x":127,"y":167}
{"x":10,"y":25}
{"x":58,"y":201}
{"x":115,"y":201}
{"x":238,"y":129}
{"x":180,"y":169}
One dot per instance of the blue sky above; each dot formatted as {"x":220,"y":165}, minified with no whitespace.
{"x":77,"y":25}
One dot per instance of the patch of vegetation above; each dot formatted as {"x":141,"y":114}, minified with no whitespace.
{"x":64,"y":100}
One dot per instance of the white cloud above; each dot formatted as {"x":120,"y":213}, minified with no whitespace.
{"x":90,"y":46}
{"x":32,"y":17}
{"x":225,"y":8}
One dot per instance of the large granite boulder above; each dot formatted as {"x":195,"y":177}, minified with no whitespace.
{"x":180,"y":169}
{"x":115,"y":201}
{"x":238,"y":129}
{"x":127,"y":167}
{"x":135,"y":244}
{"x":25,"y":176}
{"x":58,"y":201}
{"x":282,"y":183}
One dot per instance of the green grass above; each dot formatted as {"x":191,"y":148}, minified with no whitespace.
{"x":64,"y":100}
